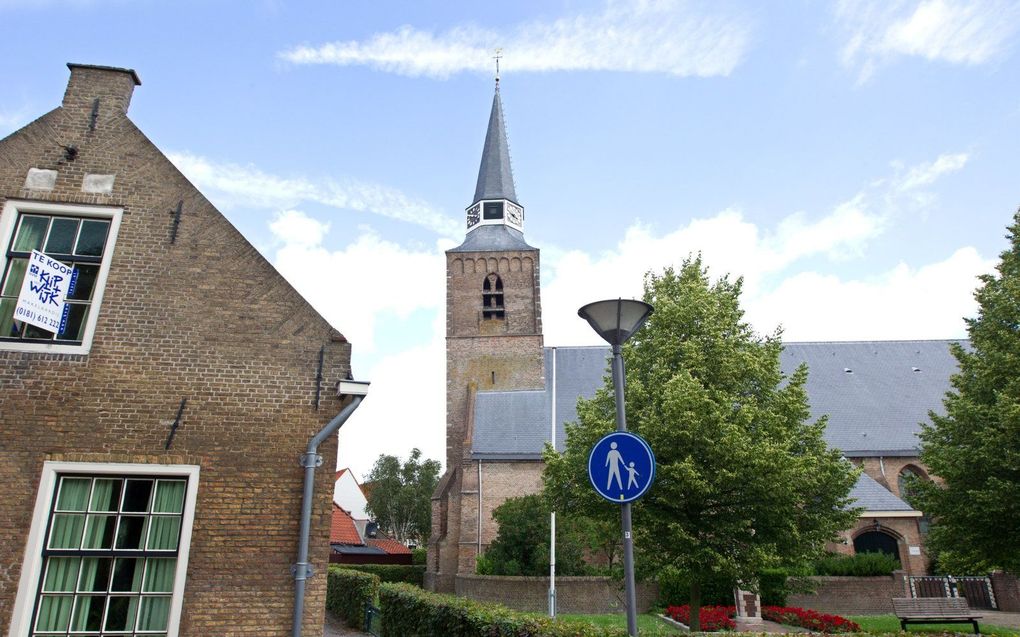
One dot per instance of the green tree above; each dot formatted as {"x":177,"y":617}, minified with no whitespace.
{"x":744,"y":481}
{"x":521,"y":546}
{"x":975,"y":447}
{"x":400,"y":496}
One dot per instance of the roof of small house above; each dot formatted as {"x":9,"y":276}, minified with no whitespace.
{"x":342,"y":529}
{"x":391,"y":547}
{"x":871,"y":496}
{"x":876,"y":394}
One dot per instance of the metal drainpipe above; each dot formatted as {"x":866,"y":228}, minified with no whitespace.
{"x":302,"y":570}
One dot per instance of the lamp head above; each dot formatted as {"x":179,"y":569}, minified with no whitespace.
{"x":616,"y":320}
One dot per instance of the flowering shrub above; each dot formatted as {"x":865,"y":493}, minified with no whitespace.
{"x":712,"y":617}
{"x":812,"y":620}
{"x":715,"y":618}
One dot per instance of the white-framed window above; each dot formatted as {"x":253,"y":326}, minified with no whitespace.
{"x":82,"y":237}
{"x":107,"y":552}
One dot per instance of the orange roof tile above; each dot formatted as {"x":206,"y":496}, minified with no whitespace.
{"x":342,"y":529}
{"x":392,"y":547}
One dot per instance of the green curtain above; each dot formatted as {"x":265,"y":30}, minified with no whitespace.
{"x":127,"y":575}
{"x":15,"y":277}
{"x":74,"y":494}
{"x":53,"y":613}
{"x":61,"y":574}
{"x":31,"y":233}
{"x":99,"y":532}
{"x":154,"y":613}
{"x":105,"y":495}
{"x":159,"y":575}
{"x":66,"y":531}
{"x":88,"y":612}
{"x":165,"y":532}
{"x":95,"y":574}
{"x":120,"y":615}
{"x":169,"y":497}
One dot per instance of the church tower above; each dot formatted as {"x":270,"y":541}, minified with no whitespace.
{"x":493,"y":342}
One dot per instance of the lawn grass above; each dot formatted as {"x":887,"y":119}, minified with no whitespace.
{"x":889,"y":624}
{"x":649,"y":625}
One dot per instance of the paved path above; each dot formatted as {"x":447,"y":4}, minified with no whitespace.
{"x":335,"y":628}
{"x":999,"y":618}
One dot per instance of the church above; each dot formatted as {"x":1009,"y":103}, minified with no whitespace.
{"x":507,"y":393}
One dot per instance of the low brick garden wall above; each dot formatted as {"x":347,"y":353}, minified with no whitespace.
{"x":573,"y":594}
{"x":853,"y":595}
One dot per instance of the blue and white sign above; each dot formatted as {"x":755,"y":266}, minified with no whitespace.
{"x":46,"y":283}
{"x":621,"y":467}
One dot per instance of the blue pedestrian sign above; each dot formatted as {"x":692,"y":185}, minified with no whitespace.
{"x":621,"y":467}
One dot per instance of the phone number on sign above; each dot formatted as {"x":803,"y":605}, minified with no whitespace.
{"x":25,"y":314}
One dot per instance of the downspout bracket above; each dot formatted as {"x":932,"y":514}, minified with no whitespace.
{"x":310,"y":460}
{"x":302,"y":570}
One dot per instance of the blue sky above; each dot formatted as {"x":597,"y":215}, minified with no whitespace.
{"x":856,"y":162}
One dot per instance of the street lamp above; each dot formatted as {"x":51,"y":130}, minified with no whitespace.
{"x":615,"y":321}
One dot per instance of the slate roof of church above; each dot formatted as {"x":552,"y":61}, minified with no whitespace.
{"x":871,"y":496}
{"x":874,"y":409}
{"x":494,"y":238}
{"x":495,"y":176}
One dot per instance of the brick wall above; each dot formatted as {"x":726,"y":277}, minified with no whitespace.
{"x":853,"y":595}
{"x":590,"y":595}
{"x":205,"y":318}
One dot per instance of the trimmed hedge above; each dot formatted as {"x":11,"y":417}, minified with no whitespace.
{"x":393,"y":573}
{"x":408,"y":611}
{"x":348,"y":591}
{"x":859,"y":565}
{"x":419,"y":556}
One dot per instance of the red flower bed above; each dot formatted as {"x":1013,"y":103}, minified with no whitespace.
{"x":712,"y":617}
{"x":812,"y":620}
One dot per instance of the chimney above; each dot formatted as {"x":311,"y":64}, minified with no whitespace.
{"x":110,"y":85}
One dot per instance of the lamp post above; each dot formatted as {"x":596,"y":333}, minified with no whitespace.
{"x":616,"y":320}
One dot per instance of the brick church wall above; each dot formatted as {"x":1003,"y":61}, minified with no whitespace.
{"x":205,"y":318}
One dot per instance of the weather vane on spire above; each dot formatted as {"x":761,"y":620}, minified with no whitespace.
{"x":499,"y":54}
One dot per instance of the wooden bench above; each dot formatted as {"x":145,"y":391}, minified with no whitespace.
{"x":935,"y":610}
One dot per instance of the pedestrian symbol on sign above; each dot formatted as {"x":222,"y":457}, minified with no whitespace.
{"x":616,"y":454}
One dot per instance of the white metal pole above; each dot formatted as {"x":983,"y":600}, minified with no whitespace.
{"x":552,"y":564}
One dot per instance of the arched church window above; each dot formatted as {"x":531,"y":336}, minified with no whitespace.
{"x":909,"y":476}
{"x":492,"y":297}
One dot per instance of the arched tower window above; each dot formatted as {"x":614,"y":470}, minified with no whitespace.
{"x":492,"y":297}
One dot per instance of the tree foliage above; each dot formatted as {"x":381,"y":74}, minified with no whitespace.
{"x":975,"y":447}
{"x":744,"y":481}
{"x":521,"y":546}
{"x":400,"y":496}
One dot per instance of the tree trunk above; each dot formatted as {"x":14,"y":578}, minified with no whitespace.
{"x":695,"y":602}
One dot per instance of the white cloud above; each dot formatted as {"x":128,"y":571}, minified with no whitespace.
{"x":953,"y":31}
{"x":926,"y":174}
{"x":232,"y":185}
{"x":664,"y":36}
{"x":383,"y":277}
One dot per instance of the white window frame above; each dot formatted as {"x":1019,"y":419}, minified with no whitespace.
{"x":8,"y":224}
{"x":31,"y":568}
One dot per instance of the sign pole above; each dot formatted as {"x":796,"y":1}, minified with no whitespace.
{"x":625,"y":519}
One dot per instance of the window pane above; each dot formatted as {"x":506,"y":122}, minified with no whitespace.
{"x":88,"y":613}
{"x":30,"y":233}
{"x":62,"y":235}
{"x":159,"y":575}
{"x":169,"y":497}
{"x":74,"y":494}
{"x":61,"y":574}
{"x":66,"y":531}
{"x":163,"y":532}
{"x":31,"y":331}
{"x":84,"y":284}
{"x":92,"y":238}
{"x":136,"y":496}
{"x":8,"y":326}
{"x":105,"y":495}
{"x":99,"y":532}
{"x":120,"y":616}
{"x":15,"y":276}
{"x":127,"y":575}
{"x":154,"y":613}
{"x":77,"y":316}
{"x":53,"y":613}
{"x":130,"y":532}
{"x":95,"y":575}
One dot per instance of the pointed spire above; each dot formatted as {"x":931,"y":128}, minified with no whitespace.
{"x":495,"y":177}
